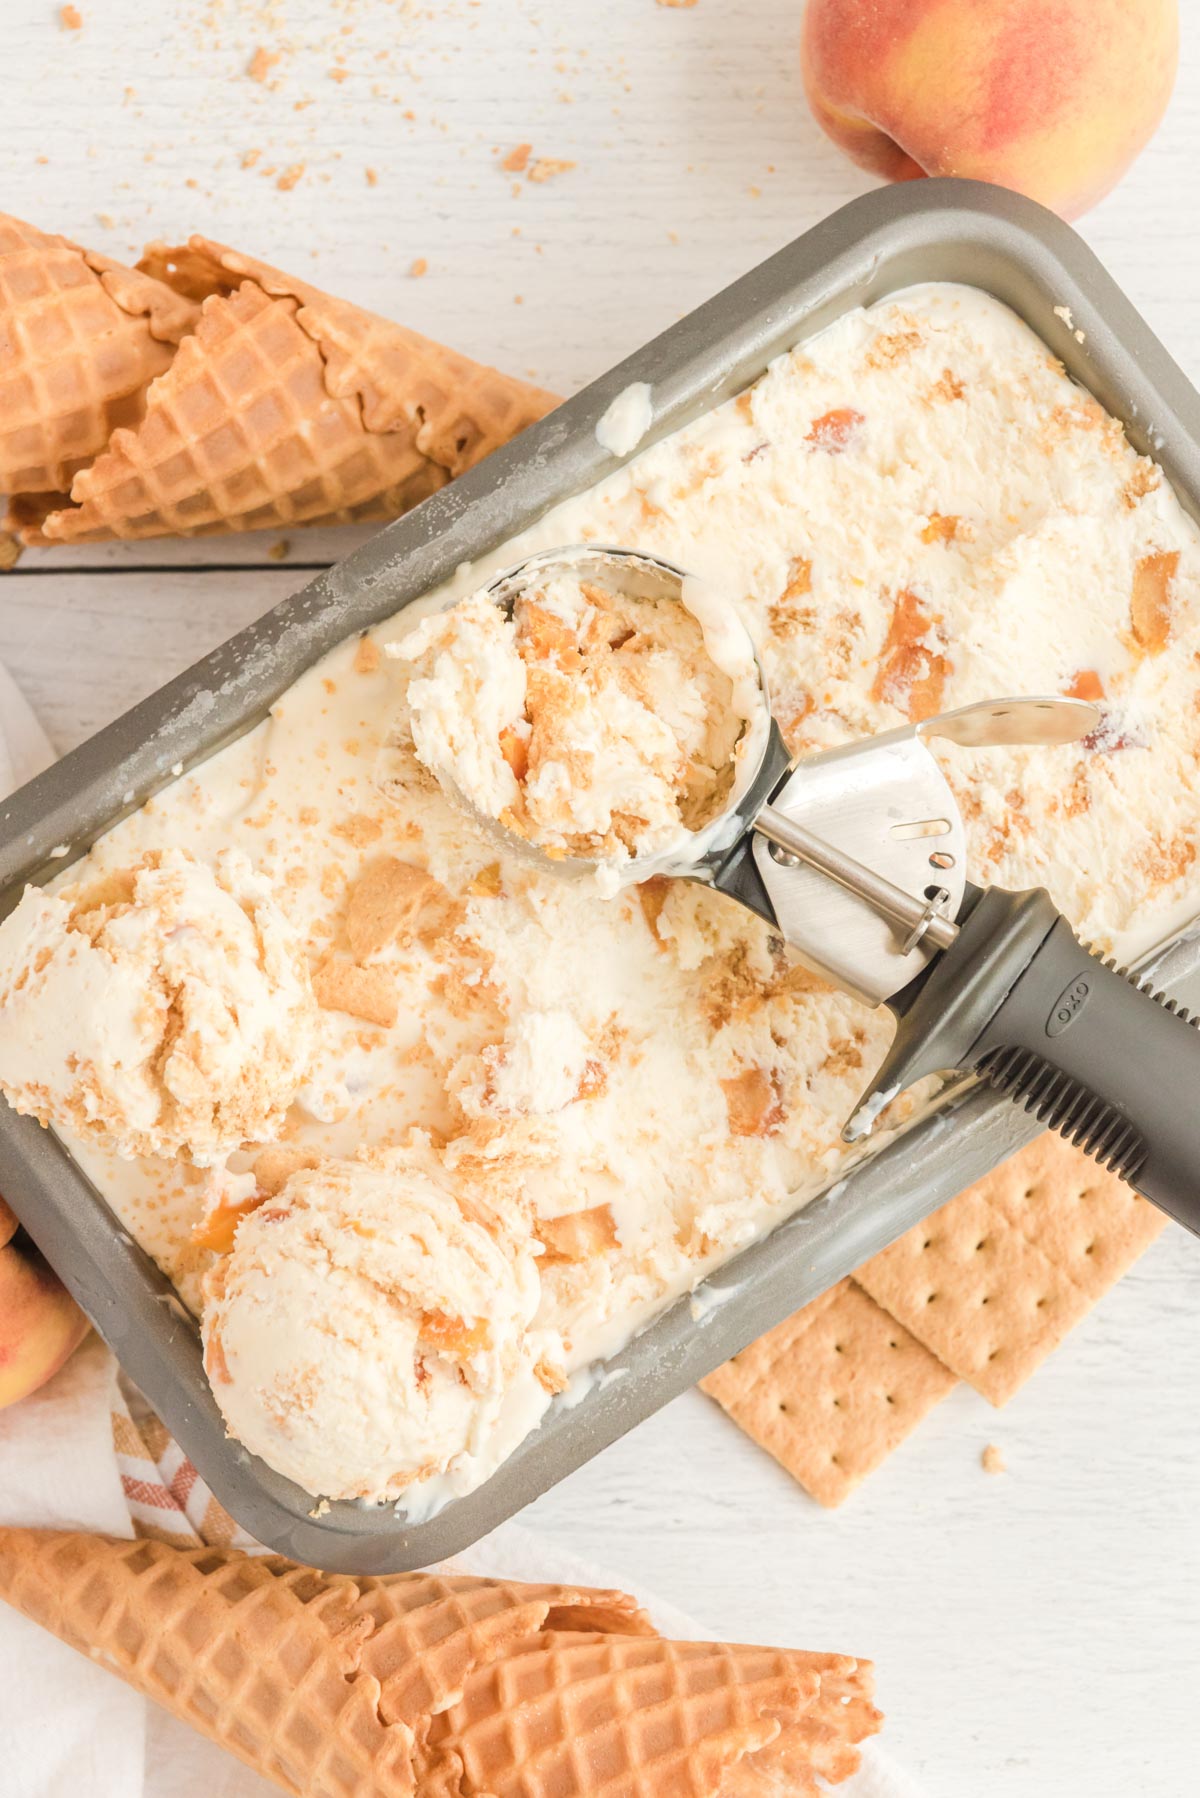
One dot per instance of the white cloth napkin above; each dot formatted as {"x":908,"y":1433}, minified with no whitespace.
{"x":70,"y":1730}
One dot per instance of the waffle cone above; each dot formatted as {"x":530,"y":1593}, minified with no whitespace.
{"x":586,"y":1715}
{"x":320,"y":1682}
{"x":286,"y":407}
{"x":81,"y":338}
{"x":820,"y":1745}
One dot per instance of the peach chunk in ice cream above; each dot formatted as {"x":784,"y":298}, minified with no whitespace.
{"x":1054,"y":100}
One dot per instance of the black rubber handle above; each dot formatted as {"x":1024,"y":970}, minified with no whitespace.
{"x":1109,"y":1063}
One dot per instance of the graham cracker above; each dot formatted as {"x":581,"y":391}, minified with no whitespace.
{"x":365,"y":993}
{"x":385,"y":902}
{"x":274,"y":1166}
{"x":831,"y":1391}
{"x":992,"y":1282}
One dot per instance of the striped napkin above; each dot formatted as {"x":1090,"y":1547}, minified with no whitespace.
{"x":166,"y":1497}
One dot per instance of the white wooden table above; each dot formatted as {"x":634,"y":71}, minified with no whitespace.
{"x":1035,"y":1633}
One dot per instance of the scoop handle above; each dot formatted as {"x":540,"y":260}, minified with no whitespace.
{"x":1106,"y":1061}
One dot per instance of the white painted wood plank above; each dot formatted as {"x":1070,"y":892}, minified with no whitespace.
{"x":1035,"y":1633}
{"x":84,"y":648}
{"x":295,"y":548}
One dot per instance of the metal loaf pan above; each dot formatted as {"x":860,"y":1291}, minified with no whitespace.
{"x":922,"y":231}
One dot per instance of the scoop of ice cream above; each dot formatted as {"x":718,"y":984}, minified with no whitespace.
{"x":593,"y":723}
{"x":164,"y":1010}
{"x":366,"y":1327}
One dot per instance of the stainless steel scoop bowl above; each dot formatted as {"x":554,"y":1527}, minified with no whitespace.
{"x":634,"y":575}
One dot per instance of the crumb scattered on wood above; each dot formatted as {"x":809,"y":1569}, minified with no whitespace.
{"x":261,"y":64}
{"x":289,"y":177}
{"x":546,"y":167}
{"x":372,"y":176}
{"x":991,"y":1460}
{"x":419,"y":267}
{"x":677,"y":2}
{"x":278,"y":551}
{"x":70,"y":18}
{"x":10,"y":551}
{"x":250,"y":157}
{"x":517,"y":159}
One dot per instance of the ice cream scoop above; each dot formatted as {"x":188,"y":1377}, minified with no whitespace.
{"x":857,"y":855}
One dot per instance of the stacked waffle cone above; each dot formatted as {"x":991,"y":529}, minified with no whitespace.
{"x":206,"y":391}
{"x":428,"y":1686}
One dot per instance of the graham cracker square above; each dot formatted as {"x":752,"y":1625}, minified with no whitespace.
{"x":993,"y":1281}
{"x":831,"y":1391}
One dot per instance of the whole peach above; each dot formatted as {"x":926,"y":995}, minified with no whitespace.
{"x":1052,"y":97}
{"x":40,"y":1323}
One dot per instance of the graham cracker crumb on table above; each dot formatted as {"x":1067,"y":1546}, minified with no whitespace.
{"x":514,"y":163}
{"x":278,"y":552}
{"x":289,"y":177}
{"x":261,"y":64}
{"x":250,"y":157}
{"x":546,"y":167}
{"x":991,"y":1460}
{"x":70,"y":18}
{"x":419,"y":267}
{"x":10,"y":551}
{"x":679,"y":3}
{"x":372,"y":177}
